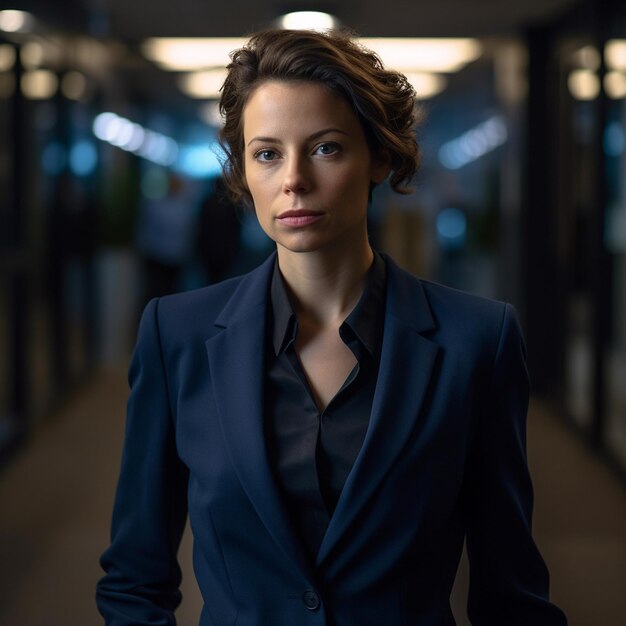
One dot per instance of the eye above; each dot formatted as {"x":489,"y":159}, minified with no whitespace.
{"x":265,"y":155}
{"x":327,"y":149}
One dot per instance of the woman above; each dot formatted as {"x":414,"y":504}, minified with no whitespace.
{"x":334,"y":426}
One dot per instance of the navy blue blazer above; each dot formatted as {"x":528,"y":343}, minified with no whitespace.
{"x":443,"y":459}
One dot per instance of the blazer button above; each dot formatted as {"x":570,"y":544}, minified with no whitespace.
{"x":311,"y":599}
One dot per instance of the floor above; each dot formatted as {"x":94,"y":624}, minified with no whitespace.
{"x":56,"y":497}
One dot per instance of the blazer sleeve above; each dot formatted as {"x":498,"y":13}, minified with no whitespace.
{"x":141,"y":585}
{"x":508,"y":578}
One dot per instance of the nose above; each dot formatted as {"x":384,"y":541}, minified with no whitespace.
{"x":297,"y":176}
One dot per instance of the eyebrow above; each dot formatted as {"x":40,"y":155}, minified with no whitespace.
{"x":315,"y":135}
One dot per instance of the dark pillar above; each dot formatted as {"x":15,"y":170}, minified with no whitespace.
{"x":18,"y":291}
{"x":601,"y":259}
{"x":540,"y":265}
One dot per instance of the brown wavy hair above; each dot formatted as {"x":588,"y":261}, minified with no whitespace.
{"x":383,"y":100}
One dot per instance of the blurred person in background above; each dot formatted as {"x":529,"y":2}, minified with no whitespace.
{"x":219,"y":232}
{"x":165,"y":238}
{"x":333,"y":426}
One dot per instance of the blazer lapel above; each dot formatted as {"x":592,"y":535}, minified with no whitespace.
{"x":237,"y":361}
{"x":406,"y":364}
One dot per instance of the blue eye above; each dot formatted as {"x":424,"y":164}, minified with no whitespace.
{"x":265,"y":155}
{"x":327,"y":148}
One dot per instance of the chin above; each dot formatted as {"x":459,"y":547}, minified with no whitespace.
{"x":318,"y":246}
{"x":300,"y":248}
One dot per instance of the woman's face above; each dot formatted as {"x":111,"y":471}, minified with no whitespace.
{"x":307,"y":166}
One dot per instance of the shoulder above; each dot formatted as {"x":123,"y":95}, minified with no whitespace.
{"x":449,"y":304}
{"x":204,"y":303}
{"x":471,"y":320}
{"x":452,"y":318}
{"x":199,"y":312}
{"x":445,"y":304}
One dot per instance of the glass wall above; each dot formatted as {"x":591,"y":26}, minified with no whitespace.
{"x":614,"y":145}
{"x":11,"y":253}
{"x":47,"y":210}
{"x":585,"y":76}
{"x":461,"y":225}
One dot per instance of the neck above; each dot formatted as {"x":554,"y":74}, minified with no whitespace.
{"x":325,"y":286}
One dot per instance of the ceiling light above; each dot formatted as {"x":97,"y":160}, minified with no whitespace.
{"x":615,"y":54}
{"x":205,"y":84}
{"x":402,"y":54}
{"x":102,"y":125}
{"x":583,"y":84}
{"x":15,"y":21}
{"x":426,"y":85}
{"x":308,"y":20}
{"x":429,"y":55}
{"x":474,"y":143}
{"x":615,"y":85}
{"x":32,"y":54}
{"x":587,"y":58}
{"x":7,"y":57}
{"x":180,"y":54}
{"x":39,"y":84}
{"x":131,"y":137}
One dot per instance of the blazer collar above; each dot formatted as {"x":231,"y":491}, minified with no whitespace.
{"x":237,"y":361}
{"x":406,"y":299}
{"x":406,"y":365}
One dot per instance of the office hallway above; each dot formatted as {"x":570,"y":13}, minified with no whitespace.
{"x":56,"y":498}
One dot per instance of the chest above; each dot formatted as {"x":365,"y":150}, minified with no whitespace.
{"x":326,"y":362}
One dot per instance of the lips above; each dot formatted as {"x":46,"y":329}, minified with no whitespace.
{"x":299,"y":217}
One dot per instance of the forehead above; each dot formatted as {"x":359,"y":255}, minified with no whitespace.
{"x":296,"y":105}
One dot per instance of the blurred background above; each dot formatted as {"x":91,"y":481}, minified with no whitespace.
{"x":110,"y":194}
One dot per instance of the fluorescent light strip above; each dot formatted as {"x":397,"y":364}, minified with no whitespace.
{"x":402,"y":54}
{"x":474,"y":143}
{"x":131,"y":137}
{"x":311,"y":20}
{"x":615,"y":54}
{"x":181,"y":54}
{"x":429,"y":55}
{"x":205,"y":84}
{"x":427,"y":85}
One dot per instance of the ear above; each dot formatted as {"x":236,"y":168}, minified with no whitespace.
{"x":381,"y":166}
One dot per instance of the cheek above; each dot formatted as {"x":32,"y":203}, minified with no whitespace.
{"x":252,"y":183}
{"x":260,"y":198}
{"x":354,"y":185}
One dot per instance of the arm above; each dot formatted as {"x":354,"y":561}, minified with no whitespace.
{"x":508,"y":578}
{"x":142,"y":573}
